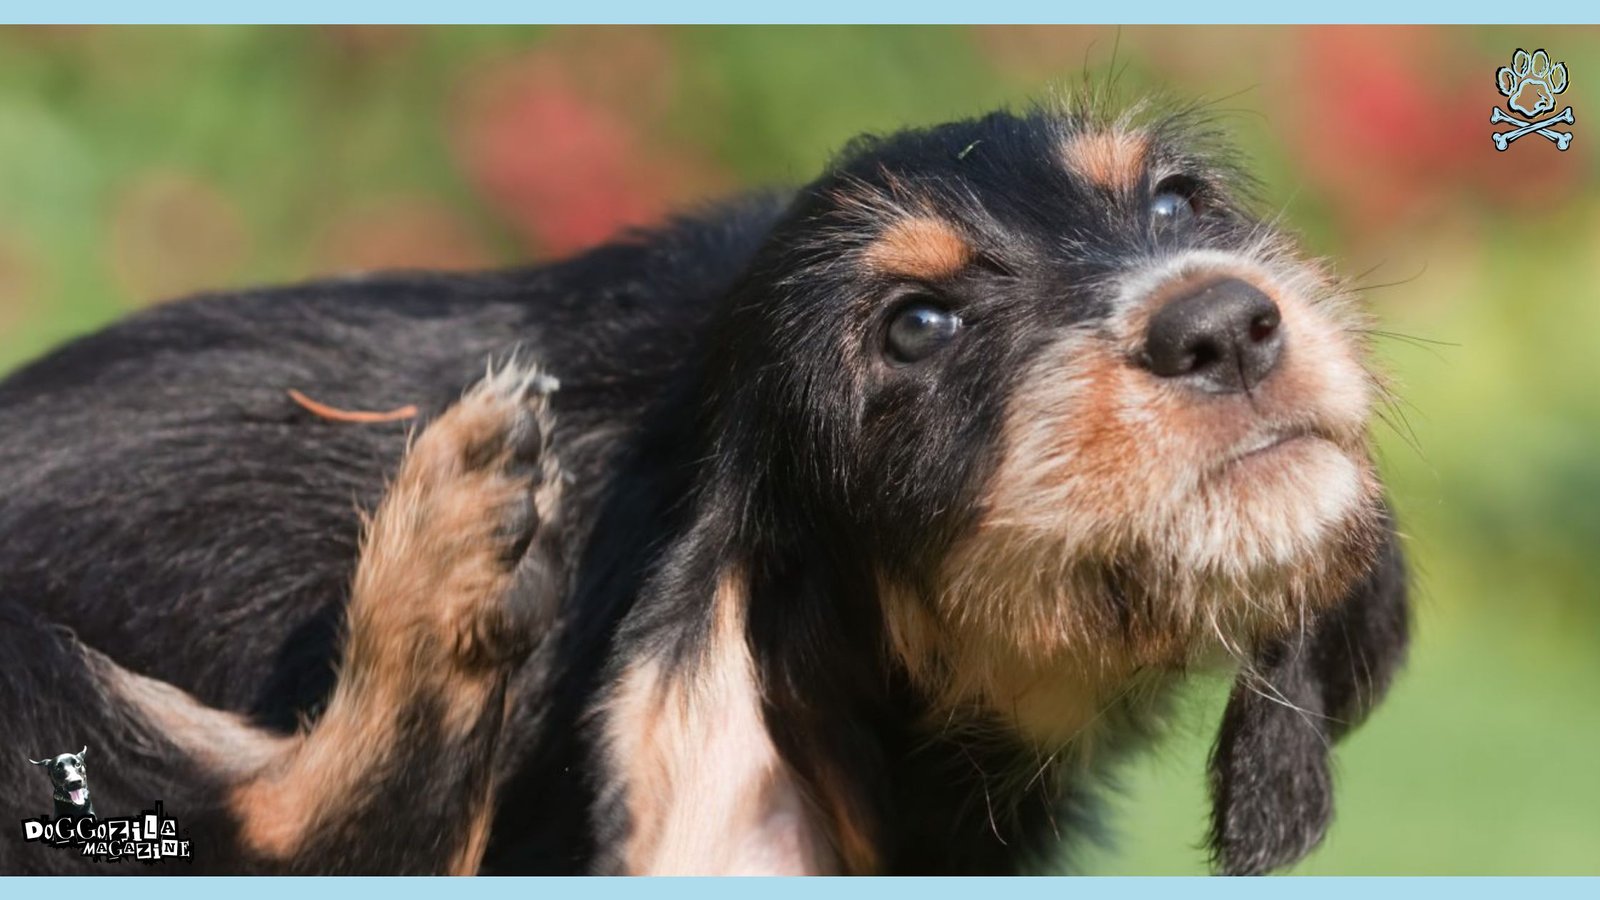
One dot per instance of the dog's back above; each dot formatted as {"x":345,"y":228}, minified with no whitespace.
{"x":170,"y":506}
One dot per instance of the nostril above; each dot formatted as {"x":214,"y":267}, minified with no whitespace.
{"x":1204,"y":354}
{"x":1263,"y":326}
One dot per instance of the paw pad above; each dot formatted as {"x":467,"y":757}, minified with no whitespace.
{"x":1531,"y":82}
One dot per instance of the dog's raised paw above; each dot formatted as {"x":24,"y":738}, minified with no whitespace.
{"x":466,"y":532}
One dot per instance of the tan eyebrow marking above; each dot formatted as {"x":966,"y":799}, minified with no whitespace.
{"x":1111,"y":159}
{"x":919,"y":247}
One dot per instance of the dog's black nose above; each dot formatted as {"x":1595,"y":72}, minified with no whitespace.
{"x":1223,"y":338}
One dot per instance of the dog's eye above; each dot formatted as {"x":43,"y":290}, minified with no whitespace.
{"x":919,"y":330}
{"x":1176,"y":201}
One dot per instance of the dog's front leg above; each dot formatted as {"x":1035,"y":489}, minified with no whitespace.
{"x":456,"y":579}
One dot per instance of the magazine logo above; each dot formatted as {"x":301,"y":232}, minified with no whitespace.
{"x":1530,"y":85}
{"x":149,"y":837}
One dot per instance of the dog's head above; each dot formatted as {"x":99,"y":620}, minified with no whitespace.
{"x":1087,"y":422}
{"x":69,"y":776}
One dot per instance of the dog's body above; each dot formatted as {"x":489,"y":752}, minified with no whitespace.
{"x":69,"y":783}
{"x":818,"y":611}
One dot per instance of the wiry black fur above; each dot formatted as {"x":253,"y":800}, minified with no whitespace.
{"x":135,"y":763}
{"x":167,"y":501}
{"x":1270,"y":776}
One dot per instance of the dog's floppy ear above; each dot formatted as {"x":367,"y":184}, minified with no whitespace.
{"x":1272,"y":792}
{"x":39,"y":762}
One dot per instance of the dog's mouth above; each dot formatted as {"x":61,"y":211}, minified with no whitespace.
{"x":78,"y":796}
{"x":1273,"y":446}
{"x":1269,"y":441}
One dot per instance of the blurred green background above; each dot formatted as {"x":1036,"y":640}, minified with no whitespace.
{"x":137,"y":164}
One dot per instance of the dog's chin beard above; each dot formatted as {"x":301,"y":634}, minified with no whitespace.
{"x":1165,"y":609}
{"x":1143,"y":605}
{"x":1049,"y":633}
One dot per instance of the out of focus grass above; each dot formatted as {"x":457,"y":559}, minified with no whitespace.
{"x":137,"y":164}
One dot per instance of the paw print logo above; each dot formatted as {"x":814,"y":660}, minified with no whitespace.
{"x":1532,"y":82}
{"x":1530,"y":85}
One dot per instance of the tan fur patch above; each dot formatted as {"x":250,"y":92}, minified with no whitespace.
{"x":468,"y":857}
{"x":432,"y":557}
{"x":1052,"y":699}
{"x":427,"y":623}
{"x":705,"y":789}
{"x":922,"y":247}
{"x":221,"y":743}
{"x":1112,"y":159}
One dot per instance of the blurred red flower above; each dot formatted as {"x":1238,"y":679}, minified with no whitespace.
{"x":1394,"y":124}
{"x":566,"y":142}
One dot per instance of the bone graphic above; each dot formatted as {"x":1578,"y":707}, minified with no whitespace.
{"x":1561,"y":138}
{"x":1503,"y":139}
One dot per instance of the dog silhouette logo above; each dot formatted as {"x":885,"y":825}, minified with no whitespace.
{"x":149,"y":837}
{"x":69,"y":782}
{"x":1530,"y":85}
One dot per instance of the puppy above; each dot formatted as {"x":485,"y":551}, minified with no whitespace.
{"x":69,"y":783}
{"x":893,"y":510}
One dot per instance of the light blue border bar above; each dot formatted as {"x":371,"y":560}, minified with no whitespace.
{"x":796,"y":888}
{"x":808,"y":11}
{"x":811,"y":12}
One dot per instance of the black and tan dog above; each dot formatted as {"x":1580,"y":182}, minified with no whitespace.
{"x":69,"y":783}
{"x":887,"y":515}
